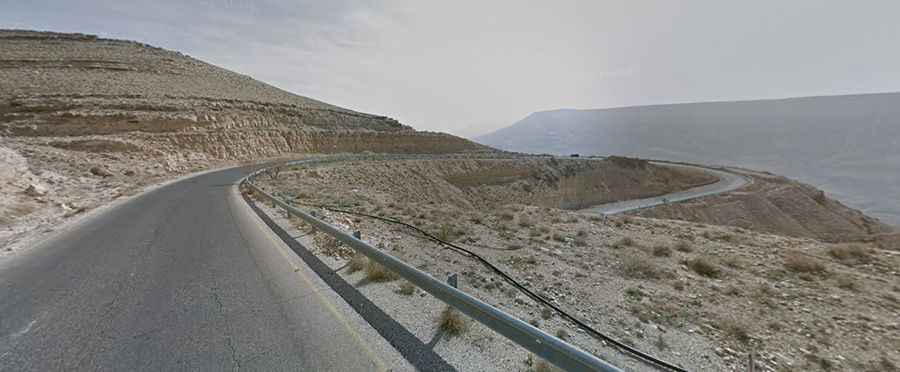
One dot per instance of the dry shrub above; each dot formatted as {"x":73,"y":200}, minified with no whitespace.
{"x":525,"y":220}
{"x":850,"y":253}
{"x":543,"y":366}
{"x":562,"y":334}
{"x":683,"y":246}
{"x":377,"y":273}
{"x":703,"y":267}
{"x":451,"y":322}
{"x":357,"y":263}
{"x":407,"y":289}
{"x":637,"y":268}
{"x":800,"y":263}
{"x":736,"y":329}
{"x":662,"y":251}
{"x":846,"y":282}
{"x":624,"y":242}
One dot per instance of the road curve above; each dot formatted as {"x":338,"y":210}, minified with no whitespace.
{"x":184,"y":277}
{"x":728,"y":181}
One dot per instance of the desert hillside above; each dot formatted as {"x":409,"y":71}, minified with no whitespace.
{"x":697,"y":295}
{"x":778,"y":205}
{"x":847,"y":145}
{"x":84,"y":120}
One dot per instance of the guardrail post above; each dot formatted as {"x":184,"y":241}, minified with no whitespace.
{"x":453,"y":280}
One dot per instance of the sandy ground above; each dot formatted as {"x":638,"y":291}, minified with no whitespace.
{"x":703,"y":297}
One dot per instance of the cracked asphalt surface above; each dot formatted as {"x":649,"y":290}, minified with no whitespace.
{"x":172,"y":279}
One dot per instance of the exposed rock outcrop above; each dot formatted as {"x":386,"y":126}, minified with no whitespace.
{"x":96,"y":118}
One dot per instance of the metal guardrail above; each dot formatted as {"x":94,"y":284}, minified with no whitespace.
{"x":551,"y":349}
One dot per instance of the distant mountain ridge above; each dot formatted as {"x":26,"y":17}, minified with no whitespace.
{"x":848,"y":145}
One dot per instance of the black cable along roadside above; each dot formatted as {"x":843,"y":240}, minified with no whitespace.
{"x":597,"y":334}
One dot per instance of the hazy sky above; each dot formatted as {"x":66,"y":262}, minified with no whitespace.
{"x":471,"y":66}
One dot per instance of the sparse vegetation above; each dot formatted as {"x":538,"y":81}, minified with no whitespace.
{"x":378,"y":273}
{"x":703,"y":267}
{"x":846,"y":282}
{"x":546,"y":313}
{"x":407,"y":289}
{"x":451,"y":322}
{"x":543,"y":366}
{"x":850,"y":253}
{"x":525,"y":220}
{"x":662,"y":251}
{"x":736,"y":329}
{"x":562,"y":334}
{"x":638,"y":268}
{"x":684,"y":246}
{"x":357,"y":263}
{"x":624,"y":242}
{"x":660,"y":343}
{"x":800,"y":263}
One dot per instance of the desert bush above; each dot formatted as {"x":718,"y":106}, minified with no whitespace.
{"x":846,"y":282}
{"x":799,"y":263}
{"x":850,"y":253}
{"x":703,"y":267}
{"x":378,"y":273}
{"x":637,"y":268}
{"x":562,"y":334}
{"x":662,"y":251}
{"x":357,"y":263}
{"x":625,"y":242}
{"x":546,"y":313}
{"x":451,"y":322}
{"x":581,"y":233}
{"x":736,"y":329}
{"x":660,"y":343}
{"x":581,"y":242}
{"x":448,"y":232}
{"x":634,"y":293}
{"x":684,"y":246}
{"x":407,"y":289}
{"x":543,"y":366}
{"x":525,"y":220}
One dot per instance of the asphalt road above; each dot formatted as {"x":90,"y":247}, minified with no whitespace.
{"x":728,"y":181}
{"x":184,"y":277}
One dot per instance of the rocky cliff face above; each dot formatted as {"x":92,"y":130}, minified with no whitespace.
{"x":84,"y":120}
{"x":71,"y":87}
